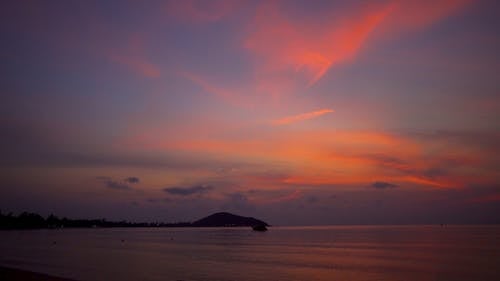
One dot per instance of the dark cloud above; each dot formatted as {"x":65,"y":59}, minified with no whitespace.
{"x":114,"y":184}
{"x":117,"y":185}
{"x":439,"y":168}
{"x":158,"y":200}
{"x":186,"y":191}
{"x":132,"y":180}
{"x":383,"y":185}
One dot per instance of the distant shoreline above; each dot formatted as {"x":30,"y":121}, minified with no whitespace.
{"x":14,"y":274}
{"x":35,"y":221}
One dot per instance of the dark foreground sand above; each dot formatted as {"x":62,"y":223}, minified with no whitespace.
{"x":11,"y":274}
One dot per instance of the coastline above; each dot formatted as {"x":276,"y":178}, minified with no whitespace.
{"x":14,"y":274}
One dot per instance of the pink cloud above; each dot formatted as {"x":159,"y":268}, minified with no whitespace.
{"x":287,"y":46}
{"x":291,"y":52}
{"x":346,"y":158}
{"x":301,"y":117}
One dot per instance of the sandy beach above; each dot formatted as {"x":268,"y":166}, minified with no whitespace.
{"x":12,"y":274}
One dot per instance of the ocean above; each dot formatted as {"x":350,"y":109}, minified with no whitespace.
{"x":357,"y":253}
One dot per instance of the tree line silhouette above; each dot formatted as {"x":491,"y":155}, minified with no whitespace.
{"x":28,"y":220}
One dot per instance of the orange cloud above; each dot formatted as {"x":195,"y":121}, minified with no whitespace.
{"x":301,"y":52}
{"x":363,"y":180}
{"x":339,"y":158}
{"x":301,"y":117}
{"x":283,"y":45}
{"x":137,"y":65}
{"x":414,"y":15}
{"x":429,"y":182}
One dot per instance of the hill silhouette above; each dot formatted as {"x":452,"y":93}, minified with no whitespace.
{"x":227,"y":219}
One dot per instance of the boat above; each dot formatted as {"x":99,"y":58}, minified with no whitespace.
{"x":259,"y":227}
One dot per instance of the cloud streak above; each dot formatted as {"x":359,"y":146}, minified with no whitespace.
{"x":352,"y":158}
{"x":301,"y":117}
{"x":187,"y":191}
{"x":284,"y":45}
{"x":132,"y":180}
{"x":114,"y":184}
{"x":383,"y":185}
{"x":291,"y":53}
{"x":124,"y":184}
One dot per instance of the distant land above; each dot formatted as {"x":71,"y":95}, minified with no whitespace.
{"x":35,"y":221}
{"x":227,"y":219}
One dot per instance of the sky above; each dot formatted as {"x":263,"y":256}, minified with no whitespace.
{"x":295,"y":112}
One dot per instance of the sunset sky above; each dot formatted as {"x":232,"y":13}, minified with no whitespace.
{"x":296,"y":112}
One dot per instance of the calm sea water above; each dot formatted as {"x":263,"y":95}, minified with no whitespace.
{"x":283,"y":253}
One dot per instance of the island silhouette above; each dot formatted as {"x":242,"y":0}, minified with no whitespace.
{"x":227,"y":219}
{"x":27,"y":220}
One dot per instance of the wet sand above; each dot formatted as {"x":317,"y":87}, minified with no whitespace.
{"x":11,"y":274}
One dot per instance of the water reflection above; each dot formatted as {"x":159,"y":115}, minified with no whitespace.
{"x":283,"y":253}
